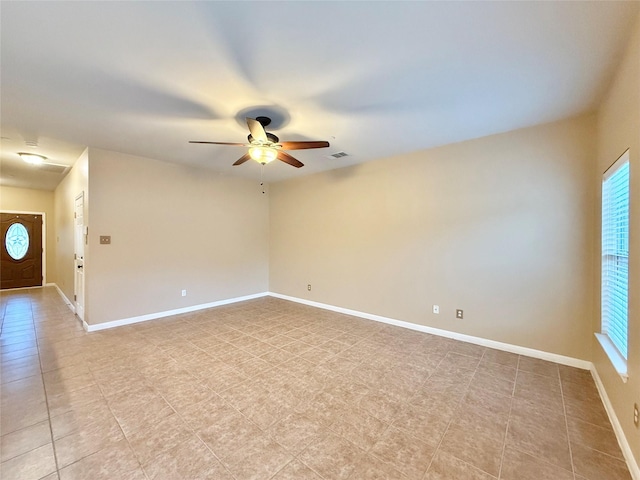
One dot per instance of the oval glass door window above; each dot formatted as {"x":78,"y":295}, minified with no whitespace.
{"x":17,"y":241}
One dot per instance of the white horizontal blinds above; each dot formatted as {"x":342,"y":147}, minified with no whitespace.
{"x":615,"y":253}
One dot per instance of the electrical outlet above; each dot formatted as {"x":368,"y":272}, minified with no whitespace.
{"x":309,"y":287}
{"x":459,"y":314}
{"x":105,"y":239}
{"x":636,"y":415}
{"x":184,"y":293}
{"x":436,"y":309}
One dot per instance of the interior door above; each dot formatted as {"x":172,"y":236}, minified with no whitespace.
{"x":21,"y":257}
{"x":79,"y":242}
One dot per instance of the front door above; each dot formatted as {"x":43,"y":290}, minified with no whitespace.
{"x":21,"y":258}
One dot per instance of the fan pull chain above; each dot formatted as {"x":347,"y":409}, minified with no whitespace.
{"x":261,"y":175}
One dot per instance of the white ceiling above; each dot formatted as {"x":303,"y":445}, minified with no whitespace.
{"x":373,"y":78}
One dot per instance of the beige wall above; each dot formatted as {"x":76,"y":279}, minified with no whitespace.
{"x":28,"y":200}
{"x":72,"y":185}
{"x":172,"y":228}
{"x":501,"y":227}
{"x":618,"y":130}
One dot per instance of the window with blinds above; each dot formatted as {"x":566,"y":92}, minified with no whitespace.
{"x":615,"y":253}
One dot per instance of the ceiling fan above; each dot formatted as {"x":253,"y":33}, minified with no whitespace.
{"x":265,"y":147}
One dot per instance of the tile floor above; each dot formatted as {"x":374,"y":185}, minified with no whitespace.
{"x":269,"y":389}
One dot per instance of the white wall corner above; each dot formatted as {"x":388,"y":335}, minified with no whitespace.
{"x":617,"y":428}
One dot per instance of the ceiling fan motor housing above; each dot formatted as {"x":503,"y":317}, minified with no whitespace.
{"x":272,"y":138}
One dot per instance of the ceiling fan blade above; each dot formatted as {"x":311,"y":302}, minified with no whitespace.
{"x":257,"y":130}
{"x":220,"y":143}
{"x":303,"y":145}
{"x":242,"y":159}
{"x":286,"y":158}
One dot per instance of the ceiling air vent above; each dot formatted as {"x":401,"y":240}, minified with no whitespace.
{"x":339,"y":155}
{"x":53,"y":168}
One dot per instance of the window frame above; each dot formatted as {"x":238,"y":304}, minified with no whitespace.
{"x":617,"y":358}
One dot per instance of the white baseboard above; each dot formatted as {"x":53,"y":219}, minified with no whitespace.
{"x":64,"y":297}
{"x":168,"y":313}
{"x":617,"y":428}
{"x":507,"y":347}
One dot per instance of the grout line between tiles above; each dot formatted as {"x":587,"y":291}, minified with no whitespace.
{"x":506,"y":433}
{"x":435,"y":452}
{"x":566,"y":425}
{"x":46,"y":396}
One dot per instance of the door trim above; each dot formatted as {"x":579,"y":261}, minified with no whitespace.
{"x":44,"y":241}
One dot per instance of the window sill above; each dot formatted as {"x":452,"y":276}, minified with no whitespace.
{"x":617,"y":360}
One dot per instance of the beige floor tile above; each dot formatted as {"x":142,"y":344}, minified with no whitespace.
{"x":448,"y":467}
{"x":8,"y":355}
{"x":232,"y":438}
{"x":381,"y":406}
{"x":181,"y":395}
{"x":492,"y":383}
{"x":295,"y":432}
{"x":500,"y":357}
{"x":139,"y":410}
{"x":16,"y":371}
{"x":25,"y":440}
{"x":63,"y":385}
{"x":541,"y":441}
{"x":474,"y":447}
{"x":588,"y":410}
{"x":209,"y":412}
{"x":406,"y":453}
{"x":67,"y":401}
{"x":81,"y":417}
{"x":372,"y":468}
{"x":478,"y":420}
{"x":22,"y":390}
{"x":594,"y":437}
{"x":296,"y":470}
{"x":32,"y":465}
{"x":16,"y":415}
{"x":332,"y":457}
{"x":498,"y":370}
{"x":360,"y":428}
{"x":264,"y":381}
{"x":262,"y":461}
{"x":428,"y":425}
{"x":189,"y":460}
{"x":158,"y":438}
{"x":115,"y":461}
{"x":539,"y":367}
{"x":575,"y":375}
{"x":30,"y":360}
{"x":595,"y":465}
{"x":579,"y":391}
{"x":544,"y":391}
{"x":85,"y":441}
{"x":517,"y":465}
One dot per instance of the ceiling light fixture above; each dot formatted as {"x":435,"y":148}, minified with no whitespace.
{"x":32,"y":158}
{"x":263,"y":155}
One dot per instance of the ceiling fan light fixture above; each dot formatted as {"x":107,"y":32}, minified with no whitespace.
{"x":32,"y":158}
{"x":263,"y":155}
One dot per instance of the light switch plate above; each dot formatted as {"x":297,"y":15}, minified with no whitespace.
{"x":105,"y":239}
